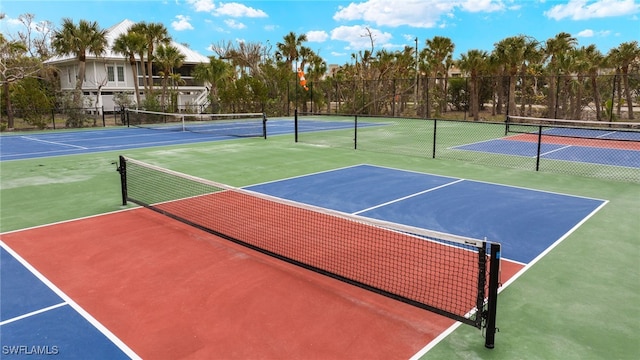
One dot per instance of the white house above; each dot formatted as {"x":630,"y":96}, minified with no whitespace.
{"x":111,"y":73}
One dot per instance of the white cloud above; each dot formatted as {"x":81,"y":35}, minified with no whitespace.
{"x":585,"y":33}
{"x":238,"y":10}
{"x":358,"y":37}
{"x":317,"y":36}
{"x":234,"y":24}
{"x":583,"y":9}
{"x":414,"y":13}
{"x":482,"y":5}
{"x":202,"y":5}
{"x":182,"y":23}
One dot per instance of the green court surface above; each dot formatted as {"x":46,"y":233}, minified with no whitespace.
{"x":579,"y":301}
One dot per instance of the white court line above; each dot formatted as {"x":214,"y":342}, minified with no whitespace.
{"x":53,"y":142}
{"x":554,"y":150}
{"x":24,"y":316}
{"x":112,"y":337}
{"x":408,"y":196}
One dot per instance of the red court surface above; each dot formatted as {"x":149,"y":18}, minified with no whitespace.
{"x":171,"y":291}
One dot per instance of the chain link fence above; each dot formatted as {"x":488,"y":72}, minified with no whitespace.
{"x":596,"y":151}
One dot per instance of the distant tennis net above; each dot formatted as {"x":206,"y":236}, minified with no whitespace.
{"x":451,"y":275}
{"x":596,"y":130}
{"x":235,"y":124}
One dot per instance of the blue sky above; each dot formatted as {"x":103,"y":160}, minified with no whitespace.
{"x":336,"y":29}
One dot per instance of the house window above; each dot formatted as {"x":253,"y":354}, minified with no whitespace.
{"x":69,"y":75}
{"x":120,"y":73}
{"x":110,"y":74}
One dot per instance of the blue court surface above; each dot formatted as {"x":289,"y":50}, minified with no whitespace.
{"x":601,"y":156}
{"x":45,"y":144}
{"x":526,"y":222}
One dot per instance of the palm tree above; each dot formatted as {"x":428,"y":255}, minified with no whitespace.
{"x":156,"y":34}
{"x":532,"y":57}
{"x":580,"y":68}
{"x":510,"y":52}
{"x":77,"y":40}
{"x":474,"y":62}
{"x":554,"y":49}
{"x":141,"y":51}
{"x":439,"y":54}
{"x":214,"y":73}
{"x":622,"y":57}
{"x":595,"y":59}
{"x":129,"y":44}
{"x":169,"y":58}
{"x":290,"y":48}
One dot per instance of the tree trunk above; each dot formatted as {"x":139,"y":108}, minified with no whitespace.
{"x":627,"y":92}
{"x":552,"y":97}
{"x":9,"y":107}
{"x":596,"y":97}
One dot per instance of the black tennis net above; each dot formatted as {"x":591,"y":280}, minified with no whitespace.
{"x":235,"y":124}
{"x":581,"y":129}
{"x":454,"y":276}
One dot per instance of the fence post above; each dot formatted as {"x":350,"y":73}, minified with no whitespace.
{"x":435,"y":127}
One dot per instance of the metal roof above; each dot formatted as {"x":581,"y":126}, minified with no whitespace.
{"x":191,"y":56}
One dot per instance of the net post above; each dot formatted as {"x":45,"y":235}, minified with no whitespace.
{"x":355,"y":132}
{"x":435,"y":128}
{"x":295,"y":123}
{"x":122,"y":169}
{"x":264,"y":125}
{"x":492,"y":301}
{"x":506,"y":125}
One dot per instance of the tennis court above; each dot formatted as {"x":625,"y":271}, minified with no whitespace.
{"x":37,"y":145}
{"x":135,"y":283}
{"x":557,"y":144}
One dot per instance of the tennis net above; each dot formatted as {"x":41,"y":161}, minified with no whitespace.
{"x":595,"y":130}
{"x":236,"y":124}
{"x":450,"y":275}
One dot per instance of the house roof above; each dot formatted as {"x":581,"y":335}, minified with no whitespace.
{"x":191,"y":56}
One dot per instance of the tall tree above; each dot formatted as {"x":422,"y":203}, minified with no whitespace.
{"x":11,"y":70}
{"x":555,"y":48}
{"x":532,"y":57}
{"x":439,"y":54}
{"x":129,"y":44}
{"x":168,"y":58}
{"x":474,"y":62}
{"x":623,"y":57}
{"x":141,"y":51}
{"x":215,"y":73}
{"x":511,"y":53}
{"x":156,"y":34}
{"x":78,"y":40}
{"x":290,"y":47}
{"x":595,"y":60}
